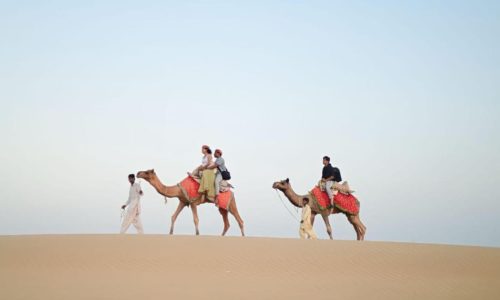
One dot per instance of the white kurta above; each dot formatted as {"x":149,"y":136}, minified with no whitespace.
{"x":306,"y":230}
{"x":133,"y":210}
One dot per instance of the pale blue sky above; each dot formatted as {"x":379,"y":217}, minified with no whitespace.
{"x":405,"y":97}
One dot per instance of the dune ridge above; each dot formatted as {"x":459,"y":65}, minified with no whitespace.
{"x":207,"y":267}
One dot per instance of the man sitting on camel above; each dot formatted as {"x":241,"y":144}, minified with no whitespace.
{"x":221,"y":175}
{"x":329,"y":176}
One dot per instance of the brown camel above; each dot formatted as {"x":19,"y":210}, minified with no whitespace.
{"x":175,"y":192}
{"x":296,"y":200}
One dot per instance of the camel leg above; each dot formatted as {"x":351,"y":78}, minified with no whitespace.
{"x":358,"y":226}
{"x":361,"y":226}
{"x":328,"y":226}
{"x":180,"y":207}
{"x":194,"y":210}
{"x":351,"y":220}
{"x":234,"y":211}
{"x":223,"y":212}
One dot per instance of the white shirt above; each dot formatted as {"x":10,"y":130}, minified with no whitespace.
{"x":204,"y":161}
{"x":134,"y":195}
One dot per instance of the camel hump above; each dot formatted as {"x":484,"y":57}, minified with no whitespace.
{"x":346,"y":203}
{"x":189,"y":187}
{"x":321,"y":197}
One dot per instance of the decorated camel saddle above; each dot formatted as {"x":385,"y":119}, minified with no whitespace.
{"x":339,"y":187}
{"x":343,"y":198}
{"x":190,"y":188}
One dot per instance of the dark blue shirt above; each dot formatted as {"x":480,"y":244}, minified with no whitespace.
{"x":329,"y":171}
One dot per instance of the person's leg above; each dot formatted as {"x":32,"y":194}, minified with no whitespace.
{"x":218,"y":180}
{"x":329,"y":191}
{"x":138,"y":224}
{"x":302,"y":233}
{"x":126,"y":222}
{"x":195,"y":173}
{"x":312,"y":234}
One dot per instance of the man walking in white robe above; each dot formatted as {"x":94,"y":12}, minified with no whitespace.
{"x":306,"y":230}
{"x":133,"y":207}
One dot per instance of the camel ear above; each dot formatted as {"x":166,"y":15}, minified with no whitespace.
{"x":153,"y":170}
{"x":287,"y":180}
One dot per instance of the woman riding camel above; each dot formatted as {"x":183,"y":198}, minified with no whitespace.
{"x":205,"y":162}
{"x":205,"y":175}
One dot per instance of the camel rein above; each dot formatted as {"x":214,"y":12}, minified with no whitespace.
{"x":123,"y":210}
{"x":283,"y":202}
{"x":166,"y":200}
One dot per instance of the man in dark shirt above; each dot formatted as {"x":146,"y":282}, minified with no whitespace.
{"x":329,"y":176}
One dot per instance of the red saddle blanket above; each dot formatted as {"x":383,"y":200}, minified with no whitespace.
{"x":190,"y":186}
{"x":225,"y":199}
{"x":346,"y":203}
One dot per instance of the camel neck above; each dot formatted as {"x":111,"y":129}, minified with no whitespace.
{"x":167,"y":191}
{"x":293,"y":197}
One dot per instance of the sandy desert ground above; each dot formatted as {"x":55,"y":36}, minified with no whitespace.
{"x":206,"y":267}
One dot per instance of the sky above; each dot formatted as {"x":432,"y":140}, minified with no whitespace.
{"x":403,"y":95}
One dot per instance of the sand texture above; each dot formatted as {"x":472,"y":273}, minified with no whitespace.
{"x":205,"y":267}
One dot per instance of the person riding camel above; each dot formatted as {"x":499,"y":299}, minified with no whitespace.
{"x":329,"y":177}
{"x":207,"y":181}
{"x":221,"y":174}
{"x":205,"y":162}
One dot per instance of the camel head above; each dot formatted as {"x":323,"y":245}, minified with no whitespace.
{"x":282,"y":185}
{"x":146,"y":175}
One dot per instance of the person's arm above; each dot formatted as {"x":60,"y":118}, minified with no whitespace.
{"x":324,"y":174}
{"x":208,"y":164}
{"x":217,"y":163}
{"x":336,"y":175}
{"x":306,"y":215}
{"x":126,"y":204}
{"x":213,"y":165}
{"x":137,"y":188}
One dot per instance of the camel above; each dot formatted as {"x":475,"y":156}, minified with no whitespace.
{"x":176,"y":192}
{"x":285,"y":187}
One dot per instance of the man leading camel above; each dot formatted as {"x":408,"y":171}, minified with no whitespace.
{"x":330,"y":175}
{"x":306,"y":230}
{"x":133,"y":205}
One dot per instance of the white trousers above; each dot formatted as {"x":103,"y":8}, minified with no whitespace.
{"x":307,"y":232}
{"x":328,"y":189}
{"x":132,"y":217}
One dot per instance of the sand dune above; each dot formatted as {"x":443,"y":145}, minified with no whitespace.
{"x":188,"y":267}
